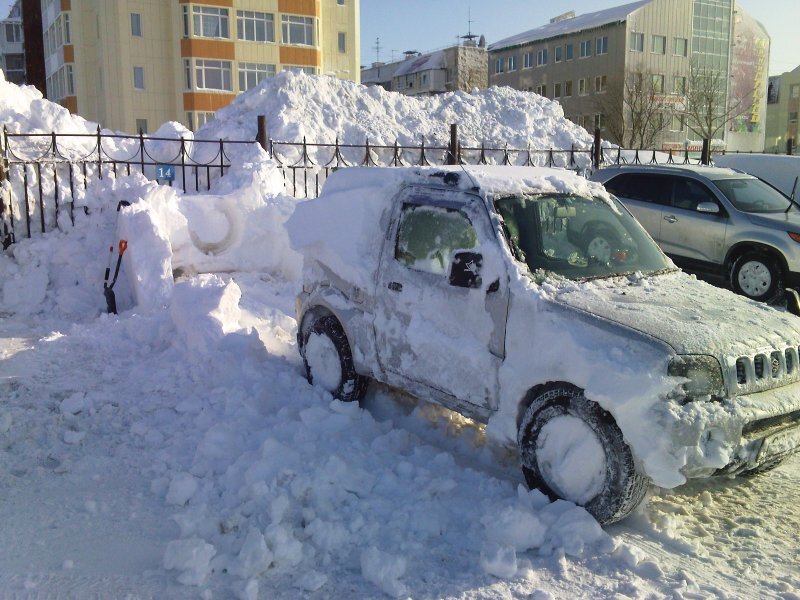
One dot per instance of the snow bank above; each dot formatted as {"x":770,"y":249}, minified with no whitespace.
{"x":322,"y":109}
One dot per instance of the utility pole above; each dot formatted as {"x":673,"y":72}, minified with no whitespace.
{"x":377,"y":48}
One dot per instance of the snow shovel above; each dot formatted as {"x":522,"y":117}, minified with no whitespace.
{"x":108,"y":288}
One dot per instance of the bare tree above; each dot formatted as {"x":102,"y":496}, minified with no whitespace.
{"x":634,"y":110}
{"x":708,"y":106}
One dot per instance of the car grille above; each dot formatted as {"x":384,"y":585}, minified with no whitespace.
{"x":767,"y":369}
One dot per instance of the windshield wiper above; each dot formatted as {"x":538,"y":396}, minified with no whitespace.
{"x":627,"y":273}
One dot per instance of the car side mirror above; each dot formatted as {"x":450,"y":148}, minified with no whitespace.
{"x":708,"y":207}
{"x":465,"y":270}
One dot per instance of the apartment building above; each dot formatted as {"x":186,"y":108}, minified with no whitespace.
{"x":783,"y":106}
{"x":462,"y":67}
{"x":133,"y":64}
{"x":588,"y":63}
{"x":12,"y":56}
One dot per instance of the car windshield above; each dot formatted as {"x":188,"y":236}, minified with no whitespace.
{"x":753,"y":195}
{"x":576,"y":237}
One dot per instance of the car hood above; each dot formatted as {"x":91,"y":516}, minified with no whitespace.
{"x":691,"y":316}
{"x":781,"y":220}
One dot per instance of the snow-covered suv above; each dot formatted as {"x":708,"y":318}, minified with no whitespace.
{"x":491,"y":291}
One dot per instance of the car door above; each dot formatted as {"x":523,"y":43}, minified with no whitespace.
{"x":689,"y":233}
{"x":427,"y":330}
{"x":644,"y":194}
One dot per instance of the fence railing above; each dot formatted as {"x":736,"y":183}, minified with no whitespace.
{"x":43,"y":174}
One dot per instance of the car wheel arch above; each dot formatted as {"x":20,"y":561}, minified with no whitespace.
{"x":741,"y":248}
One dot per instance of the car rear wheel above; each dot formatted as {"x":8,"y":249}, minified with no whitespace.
{"x":328,"y":360}
{"x":571,"y":448}
{"x":756,"y":276}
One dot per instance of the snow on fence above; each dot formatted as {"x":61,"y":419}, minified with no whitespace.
{"x":43,"y":174}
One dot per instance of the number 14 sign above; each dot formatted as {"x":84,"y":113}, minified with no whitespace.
{"x":165,"y":172}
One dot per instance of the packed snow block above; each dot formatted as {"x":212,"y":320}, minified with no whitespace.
{"x":254,"y":557}
{"x":384,"y":570}
{"x":204,"y":310}
{"x":500,"y":561}
{"x":192,"y":557}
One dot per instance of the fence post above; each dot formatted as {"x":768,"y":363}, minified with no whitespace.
{"x":452,"y":151}
{"x":790,"y":146}
{"x":596,"y":149}
{"x":99,"y":153}
{"x":705,"y":157}
{"x":261,"y":136}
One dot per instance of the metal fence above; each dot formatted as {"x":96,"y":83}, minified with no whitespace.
{"x":43,"y":175}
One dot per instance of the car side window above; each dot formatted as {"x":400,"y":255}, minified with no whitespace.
{"x":644,"y":187}
{"x":687,"y":194}
{"x":429,"y":236}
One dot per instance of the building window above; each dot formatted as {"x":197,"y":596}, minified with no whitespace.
{"x":558,"y":54}
{"x":600,"y":84}
{"x":794,"y":91}
{"x":586,"y":49}
{"x":298,"y":30}
{"x":658,"y":84}
{"x":65,"y":26}
{"x":637,"y":42}
{"x":342,"y":42}
{"x":201,"y":119}
{"x":542,"y":90}
{"x":793,"y":117}
{"x":568,"y":89}
{"x":583,"y":85}
{"x":308,"y":70}
{"x":527,"y":60}
{"x":340,"y":2}
{"x":212,"y":75}
{"x":210,"y":22}
{"x":13,"y":33}
{"x":679,"y":86}
{"x":598,"y":121}
{"x":541,"y":57}
{"x":681,"y":47}
{"x":659,"y":45}
{"x":568,"y":51}
{"x":141,"y":125}
{"x":251,"y":74}
{"x":678,"y":122}
{"x":512,"y":63}
{"x":499,"y":65}
{"x":255,"y":26}
{"x":136,"y":25}
{"x":138,"y":78}
{"x":556,"y":90}
{"x":602,"y":45}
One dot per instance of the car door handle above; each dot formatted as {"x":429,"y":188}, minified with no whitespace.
{"x":670,"y":218}
{"x":395,"y":286}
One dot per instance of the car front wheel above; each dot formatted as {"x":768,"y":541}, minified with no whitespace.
{"x":571,"y":448}
{"x":328,"y":360}
{"x":756,"y":276}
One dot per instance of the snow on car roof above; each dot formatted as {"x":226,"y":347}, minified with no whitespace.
{"x":343,"y":229}
{"x":706,"y":171}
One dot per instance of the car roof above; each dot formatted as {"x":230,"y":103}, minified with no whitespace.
{"x":709,"y":172}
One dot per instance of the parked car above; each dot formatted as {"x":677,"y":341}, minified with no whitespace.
{"x":713,"y":220}
{"x":485,"y":289}
{"x":778,"y":170}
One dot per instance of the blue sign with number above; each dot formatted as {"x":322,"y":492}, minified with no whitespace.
{"x":165,"y":172}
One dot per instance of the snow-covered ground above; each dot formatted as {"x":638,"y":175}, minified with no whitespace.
{"x":177,"y":451}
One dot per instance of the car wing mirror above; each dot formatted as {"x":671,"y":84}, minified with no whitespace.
{"x":465,"y":270}
{"x":710,"y":208}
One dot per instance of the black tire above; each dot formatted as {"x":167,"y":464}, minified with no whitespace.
{"x":351,"y":386}
{"x":768,"y":466}
{"x":756,"y":275}
{"x":623,"y":487}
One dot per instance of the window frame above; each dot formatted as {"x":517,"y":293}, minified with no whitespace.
{"x":601,"y":45}
{"x":246,"y":17}
{"x":653,"y":39}
{"x":639,"y":37}
{"x":200,"y":14}
{"x":291,"y":23}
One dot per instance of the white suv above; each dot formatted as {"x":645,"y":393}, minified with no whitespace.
{"x":487,"y":290}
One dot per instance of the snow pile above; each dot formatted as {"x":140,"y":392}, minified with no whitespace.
{"x":322,"y":109}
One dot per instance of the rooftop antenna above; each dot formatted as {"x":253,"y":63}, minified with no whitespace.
{"x":470,"y":36}
{"x":377,"y":48}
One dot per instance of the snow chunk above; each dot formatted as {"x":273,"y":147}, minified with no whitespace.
{"x":384,"y":570}
{"x":254,"y":557}
{"x":182,"y":487}
{"x":500,"y":561}
{"x":192,"y":557}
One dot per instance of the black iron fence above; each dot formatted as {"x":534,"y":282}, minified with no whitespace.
{"x":44,"y":175}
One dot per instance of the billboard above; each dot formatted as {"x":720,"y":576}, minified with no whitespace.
{"x":749,"y":64}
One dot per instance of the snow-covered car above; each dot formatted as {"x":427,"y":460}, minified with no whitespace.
{"x":489,"y":290}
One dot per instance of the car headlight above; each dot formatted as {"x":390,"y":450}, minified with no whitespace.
{"x":704,"y":375}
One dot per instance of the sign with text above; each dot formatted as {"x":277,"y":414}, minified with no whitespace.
{"x":165,"y":172}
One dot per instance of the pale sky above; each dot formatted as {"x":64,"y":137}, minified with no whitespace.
{"x":429,"y":24}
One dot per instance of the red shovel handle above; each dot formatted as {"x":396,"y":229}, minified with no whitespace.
{"x":123,"y":245}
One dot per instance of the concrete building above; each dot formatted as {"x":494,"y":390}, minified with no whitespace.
{"x":783,"y":106}
{"x":12,"y":55}
{"x":462,"y":67}
{"x":592,"y":64}
{"x":134,"y":64}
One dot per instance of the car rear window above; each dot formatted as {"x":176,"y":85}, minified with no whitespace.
{"x":644,"y":187}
